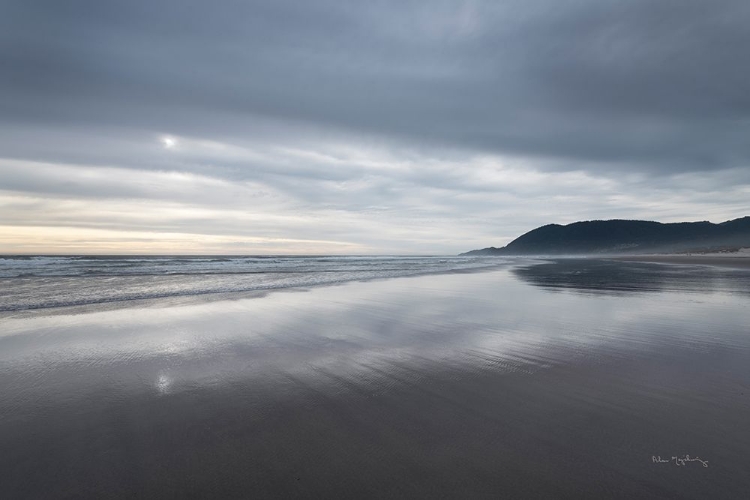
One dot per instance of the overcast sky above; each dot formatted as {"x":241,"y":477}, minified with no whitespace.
{"x":297,"y":126}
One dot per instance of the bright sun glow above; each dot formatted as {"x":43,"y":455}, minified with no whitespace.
{"x":169,"y":142}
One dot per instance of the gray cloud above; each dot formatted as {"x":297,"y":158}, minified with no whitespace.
{"x":476,"y":118}
{"x":664,"y":83}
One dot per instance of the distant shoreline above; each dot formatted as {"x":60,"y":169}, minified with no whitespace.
{"x":734,"y":260}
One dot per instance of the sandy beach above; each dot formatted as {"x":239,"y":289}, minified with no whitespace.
{"x":482,"y":385}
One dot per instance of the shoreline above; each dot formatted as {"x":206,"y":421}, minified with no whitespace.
{"x":203,"y":297}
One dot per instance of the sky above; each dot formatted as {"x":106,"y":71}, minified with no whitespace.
{"x":378,"y":127}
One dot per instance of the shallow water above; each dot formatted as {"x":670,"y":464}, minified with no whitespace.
{"x":560,"y":379}
{"x":43,"y":282}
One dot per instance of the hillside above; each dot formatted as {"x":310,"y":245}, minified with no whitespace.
{"x":626,"y":237}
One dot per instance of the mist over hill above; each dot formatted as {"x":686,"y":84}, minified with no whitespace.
{"x":626,"y":237}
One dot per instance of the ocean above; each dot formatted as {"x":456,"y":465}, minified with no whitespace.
{"x":41,"y":282}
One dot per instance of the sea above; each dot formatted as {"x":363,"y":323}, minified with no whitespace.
{"x":42,"y":282}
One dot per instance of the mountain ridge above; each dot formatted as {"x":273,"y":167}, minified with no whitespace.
{"x":623,"y":236}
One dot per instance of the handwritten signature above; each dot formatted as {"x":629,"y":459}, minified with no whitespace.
{"x":678,"y":461}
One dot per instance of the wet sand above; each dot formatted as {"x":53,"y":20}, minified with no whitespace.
{"x":488,"y":385}
{"x":729,"y":260}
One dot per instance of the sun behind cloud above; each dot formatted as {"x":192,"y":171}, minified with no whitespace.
{"x":169,"y":142}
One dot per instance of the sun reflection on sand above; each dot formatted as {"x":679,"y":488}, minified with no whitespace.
{"x":163,"y":384}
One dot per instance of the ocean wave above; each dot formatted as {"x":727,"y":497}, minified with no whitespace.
{"x":68,"y":282}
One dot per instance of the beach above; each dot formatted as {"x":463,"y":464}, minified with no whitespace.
{"x":558,"y":379}
{"x":739,"y":260}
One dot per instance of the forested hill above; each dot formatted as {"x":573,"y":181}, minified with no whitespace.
{"x":626,"y":236}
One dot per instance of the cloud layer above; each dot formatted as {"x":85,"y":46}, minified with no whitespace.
{"x":374,"y":127}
